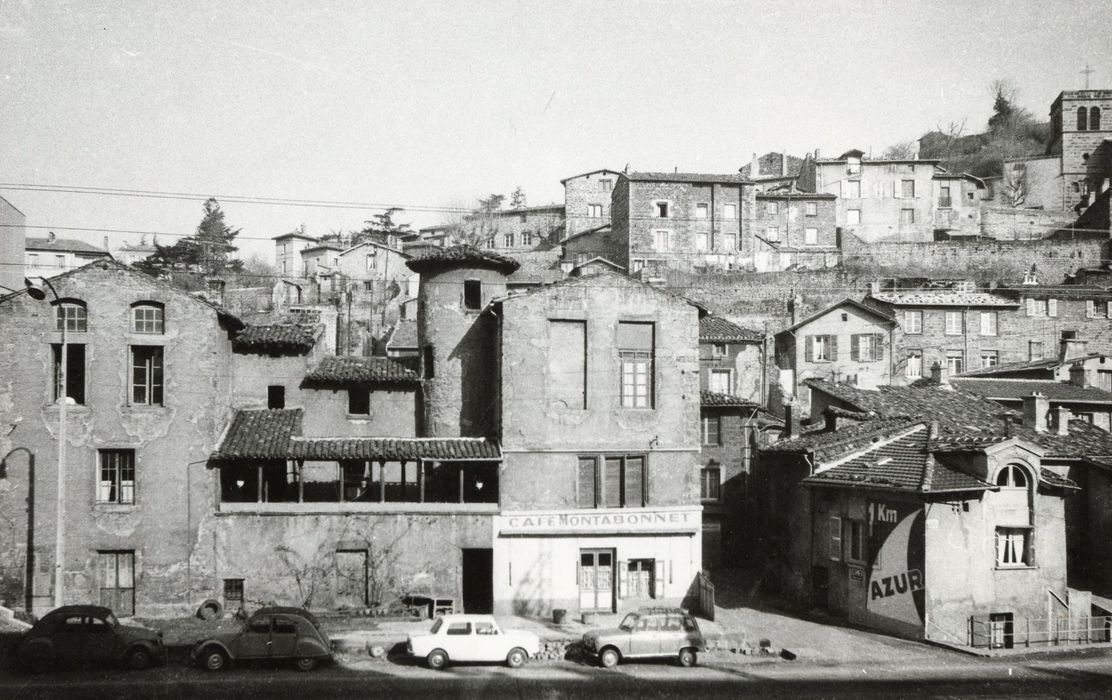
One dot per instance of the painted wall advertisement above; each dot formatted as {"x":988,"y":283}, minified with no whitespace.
{"x":896,"y":545}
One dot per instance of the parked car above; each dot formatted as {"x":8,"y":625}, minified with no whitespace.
{"x":272,"y":634}
{"x":472,"y":638}
{"x":649,"y":632}
{"x":76,"y":635}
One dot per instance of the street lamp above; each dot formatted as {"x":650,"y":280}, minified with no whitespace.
{"x":28,"y":587}
{"x":38,"y":294}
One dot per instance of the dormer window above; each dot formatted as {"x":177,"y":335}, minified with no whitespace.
{"x":71,"y":315}
{"x":148,"y":317}
{"x":1012,"y":477}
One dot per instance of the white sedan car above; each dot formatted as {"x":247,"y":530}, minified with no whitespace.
{"x":472,"y":638}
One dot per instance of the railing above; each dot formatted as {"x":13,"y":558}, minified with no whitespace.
{"x":1034,"y":632}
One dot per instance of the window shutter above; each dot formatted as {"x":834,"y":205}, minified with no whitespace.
{"x":833,"y":347}
{"x":658,"y":578}
{"x":1090,"y":309}
{"x":855,"y":347}
{"x":586,"y":483}
{"x":1051,"y":307}
{"x":878,"y":346}
{"x":835,"y":533}
{"x":809,"y":348}
{"x":635,"y":481}
{"x":623,"y":578}
{"x":1030,"y":307}
{"x":612,"y":486}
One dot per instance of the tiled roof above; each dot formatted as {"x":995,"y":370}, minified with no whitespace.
{"x":942,"y":298}
{"x":881,"y":316}
{"x":1064,"y":291}
{"x":686,"y":177}
{"x":63,"y":244}
{"x":962,"y":415}
{"x":393,"y":448}
{"x":460,"y":255}
{"x":1032,"y":366}
{"x":259,"y":434}
{"x":278,"y":338}
{"x":404,"y":335}
{"x":1018,"y":388}
{"x":1051,"y":479}
{"x":713,"y":398}
{"x":355,"y":371}
{"x":843,"y":440}
{"x":718,"y":329}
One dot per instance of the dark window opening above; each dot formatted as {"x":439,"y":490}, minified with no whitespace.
{"x":359,"y":401}
{"x":233,"y":593}
{"x":1082,"y":118}
{"x":473,"y":294}
{"x":116,"y":482}
{"x":619,"y":484}
{"x":427,"y":362}
{"x":276,"y":396}
{"x":710,"y":483}
{"x":1094,"y":119}
{"x":75,"y":372}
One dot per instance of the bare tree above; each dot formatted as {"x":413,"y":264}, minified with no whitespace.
{"x":904,"y":150}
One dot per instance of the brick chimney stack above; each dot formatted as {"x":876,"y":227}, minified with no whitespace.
{"x":791,"y":420}
{"x":940,"y":375}
{"x":755,"y":168}
{"x":1062,"y":418}
{"x":1079,"y":376}
{"x":1035,"y":408}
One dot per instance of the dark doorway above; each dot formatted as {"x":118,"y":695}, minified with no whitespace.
{"x":820,"y":586}
{"x":478,"y":580}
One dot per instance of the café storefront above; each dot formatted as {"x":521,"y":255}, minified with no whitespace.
{"x":603,"y":560}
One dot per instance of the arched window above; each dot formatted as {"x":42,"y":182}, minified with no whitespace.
{"x":1082,"y":118}
{"x":1094,"y":119}
{"x":148,"y":317}
{"x":71,"y":315}
{"x":1012,"y":476}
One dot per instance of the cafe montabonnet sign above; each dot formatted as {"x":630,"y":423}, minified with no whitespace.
{"x":617,"y":520}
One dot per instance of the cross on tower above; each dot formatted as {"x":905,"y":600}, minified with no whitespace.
{"x":1087,"y":72}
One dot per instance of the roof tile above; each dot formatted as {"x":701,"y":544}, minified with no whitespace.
{"x":393,"y":448}
{"x":259,"y":434}
{"x":716,"y":328}
{"x":278,"y":338}
{"x":361,"y":371}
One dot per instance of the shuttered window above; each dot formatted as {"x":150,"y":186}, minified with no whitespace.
{"x":586,"y":491}
{"x":620,"y":484}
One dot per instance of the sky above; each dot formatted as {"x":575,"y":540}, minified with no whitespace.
{"x":430,"y":105}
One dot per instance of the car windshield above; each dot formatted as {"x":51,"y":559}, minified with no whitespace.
{"x":436,"y":625}
{"x":111,"y":620}
{"x":628,"y":623}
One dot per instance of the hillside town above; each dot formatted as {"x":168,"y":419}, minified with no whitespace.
{"x":591,"y":406}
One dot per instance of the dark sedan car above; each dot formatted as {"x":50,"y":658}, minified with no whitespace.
{"x":76,"y":635}
{"x":271,"y":634}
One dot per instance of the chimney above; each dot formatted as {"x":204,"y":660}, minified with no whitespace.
{"x":1035,"y":408}
{"x":818,"y":154}
{"x":784,"y":163}
{"x":1008,"y":429}
{"x":940,"y":375}
{"x":791,"y":420}
{"x":831,"y":422}
{"x":1079,"y":376}
{"x":933,"y":430}
{"x":1070,"y":346}
{"x":215,"y":290}
{"x":1062,"y":417}
{"x":755,"y":168}
{"x":50,"y":237}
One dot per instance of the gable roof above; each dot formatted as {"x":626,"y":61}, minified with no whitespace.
{"x":734,"y":179}
{"x":717,"y":329}
{"x":592,"y":172}
{"x":925,"y":297}
{"x":603,"y":229}
{"x":68,"y":245}
{"x":403,"y":335}
{"x":294,"y":234}
{"x":1058,"y":291}
{"x":278,"y":338}
{"x":876,"y":313}
{"x":360,"y":371}
{"x":376,"y":244}
{"x":599,"y":260}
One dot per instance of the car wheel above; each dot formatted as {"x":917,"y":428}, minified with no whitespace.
{"x":516,"y":658}
{"x":138,"y":659}
{"x":305,"y":663}
{"x":609,"y":658}
{"x":214,"y":659}
{"x":687,"y":657}
{"x":437,"y":659}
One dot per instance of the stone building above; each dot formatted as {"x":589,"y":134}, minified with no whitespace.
{"x":732,"y":360}
{"x":794,"y":229}
{"x":958,"y":200}
{"x":517,"y":230}
{"x":772,"y":171}
{"x":587,"y":200}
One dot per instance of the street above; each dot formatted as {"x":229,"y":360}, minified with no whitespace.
{"x":1082,"y":674}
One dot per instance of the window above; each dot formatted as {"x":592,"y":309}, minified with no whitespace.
{"x":60,"y":262}
{"x":32,"y":260}
{"x":594,"y":211}
{"x":1012,"y":545}
{"x":955,"y":361}
{"x":811,"y":208}
{"x":944,"y":201}
{"x":359,"y":401}
{"x":75,"y":372}
{"x":852,"y":189}
{"x":71,"y":316}
{"x":729,"y":241}
{"x":620,"y":483}
{"x":1094,"y":119}
{"x":472,"y":295}
{"x":117,"y":581}
{"x":834,"y":538}
{"x":1082,"y":118}
{"x":147,"y":317}
{"x":854,"y":540}
{"x":822,"y":348}
{"x":712,"y":430}
{"x":700,"y":241}
{"x":853,"y":216}
{"x":117,"y":476}
{"x":1012,"y":477}
{"x":606,"y":184}
{"x":989,"y":321}
{"x":710,"y":483}
{"x":718,"y":349}
{"x":702,"y":211}
{"x":810,"y":236}
{"x":146,"y":375}
{"x":508,"y":240}
{"x":661,"y":209}
{"x":907,"y":189}
{"x":990,"y":358}
{"x":953,"y":322}
{"x":913,"y":322}
{"x":1034,"y":350}
{"x":729,"y":211}
{"x":635,"y":343}
{"x":914,"y":366}
{"x":720,"y":381}
{"x":866,"y":347}
{"x":907,"y":217}
{"x":233,"y":593}
{"x":772,"y":208}
{"x":427,"y":357}
{"x":772,"y":233}
{"x":526,"y":238}
{"x":662,"y":239}
{"x":523,"y":218}
{"x":853,"y":166}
